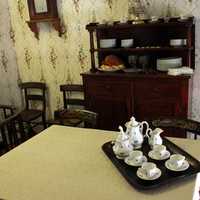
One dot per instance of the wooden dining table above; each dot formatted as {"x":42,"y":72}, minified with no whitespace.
{"x":67,"y":163}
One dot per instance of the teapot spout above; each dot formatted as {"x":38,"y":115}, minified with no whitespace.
{"x":123,"y":136}
{"x":121,"y":129}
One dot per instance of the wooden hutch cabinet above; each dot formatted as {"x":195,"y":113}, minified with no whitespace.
{"x":147,"y":94}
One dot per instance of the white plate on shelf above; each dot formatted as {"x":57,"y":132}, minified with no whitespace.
{"x":133,"y":162}
{"x":171,"y":167}
{"x":156,"y":156}
{"x":128,"y":70}
{"x":141,"y":174}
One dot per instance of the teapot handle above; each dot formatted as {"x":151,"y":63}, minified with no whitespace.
{"x":148,"y":132}
{"x":142,"y":126}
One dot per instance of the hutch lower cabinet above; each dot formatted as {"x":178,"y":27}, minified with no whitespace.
{"x":118,"y":96}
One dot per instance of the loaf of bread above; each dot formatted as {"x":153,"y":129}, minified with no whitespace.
{"x":112,"y":60}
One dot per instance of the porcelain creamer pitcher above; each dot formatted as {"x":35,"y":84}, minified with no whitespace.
{"x":134,"y":130}
{"x":154,"y":136}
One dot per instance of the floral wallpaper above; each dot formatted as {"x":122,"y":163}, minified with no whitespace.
{"x":57,"y":60}
{"x":9,"y":91}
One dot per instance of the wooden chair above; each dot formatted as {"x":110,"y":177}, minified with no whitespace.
{"x":30,"y":114}
{"x":70,"y":102}
{"x":68,"y":90}
{"x":70,"y":115}
{"x":12,"y":132}
{"x":184,"y":124}
{"x":6,"y":111}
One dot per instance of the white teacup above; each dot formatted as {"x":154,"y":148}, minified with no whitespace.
{"x":154,"y":18}
{"x":177,"y":160}
{"x":136,"y":156}
{"x":159,"y":149}
{"x":149,"y":168}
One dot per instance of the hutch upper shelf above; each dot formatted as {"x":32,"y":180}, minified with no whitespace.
{"x":150,"y":39}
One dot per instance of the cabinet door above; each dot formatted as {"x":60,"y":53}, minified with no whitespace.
{"x":111,"y":100}
{"x":154,"y":99}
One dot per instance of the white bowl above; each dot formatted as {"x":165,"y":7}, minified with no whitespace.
{"x":178,"y":42}
{"x":163,"y":64}
{"x":107,"y":43}
{"x":127,"y":43}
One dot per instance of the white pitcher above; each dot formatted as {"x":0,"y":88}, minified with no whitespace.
{"x":134,"y":130}
{"x":154,"y":136}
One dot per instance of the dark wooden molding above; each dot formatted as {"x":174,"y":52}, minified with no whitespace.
{"x":54,"y":21}
{"x":50,"y":16}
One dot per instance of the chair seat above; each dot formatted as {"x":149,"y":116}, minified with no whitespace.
{"x":29,"y":115}
{"x":65,"y":122}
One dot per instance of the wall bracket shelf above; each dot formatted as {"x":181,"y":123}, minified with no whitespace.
{"x":54,"y":21}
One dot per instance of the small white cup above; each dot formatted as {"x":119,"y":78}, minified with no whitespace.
{"x":127,"y":43}
{"x":136,"y":156}
{"x":154,"y":18}
{"x":149,"y":168}
{"x":177,"y":160}
{"x":184,"y":17}
{"x":159,"y":149}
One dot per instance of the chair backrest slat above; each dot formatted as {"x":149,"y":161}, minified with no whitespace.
{"x":72,"y":88}
{"x":31,"y":85}
{"x":80,"y":102}
{"x":35,"y":97}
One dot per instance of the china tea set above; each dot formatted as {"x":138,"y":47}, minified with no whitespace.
{"x":128,"y":144}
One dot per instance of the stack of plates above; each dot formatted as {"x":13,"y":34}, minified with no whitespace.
{"x":163,"y":64}
{"x":178,"y":42}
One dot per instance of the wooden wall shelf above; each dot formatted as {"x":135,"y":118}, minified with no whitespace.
{"x":54,"y":21}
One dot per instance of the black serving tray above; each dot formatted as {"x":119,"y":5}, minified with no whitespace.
{"x":167,"y":177}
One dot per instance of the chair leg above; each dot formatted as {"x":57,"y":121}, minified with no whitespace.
{"x":44,"y":121}
{"x":30,"y":131}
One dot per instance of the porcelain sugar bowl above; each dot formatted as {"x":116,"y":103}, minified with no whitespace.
{"x":122,"y":146}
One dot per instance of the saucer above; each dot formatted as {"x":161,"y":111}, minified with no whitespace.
{"x":171,"y":167}
{"x":156,"y":156}
{"x":121,"y":156}
{"x":132,"y":162}
{"x":141,"y":174}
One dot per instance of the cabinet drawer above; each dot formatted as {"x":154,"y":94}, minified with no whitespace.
{"x":155,"y":90}
{"x":108,"y":88}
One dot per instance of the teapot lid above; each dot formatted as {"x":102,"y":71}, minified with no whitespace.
{"x":133,"y":122}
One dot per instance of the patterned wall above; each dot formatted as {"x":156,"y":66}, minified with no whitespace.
{"x":57,"y":60}
{"x":9,"y":91}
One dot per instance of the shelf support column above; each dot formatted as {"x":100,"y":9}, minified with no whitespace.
{"x":93,"y":69}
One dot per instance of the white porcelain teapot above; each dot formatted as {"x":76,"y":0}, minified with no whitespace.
{"x":154,"y":136}
{"x":134,"y":130}
{"x":122,"y":146}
